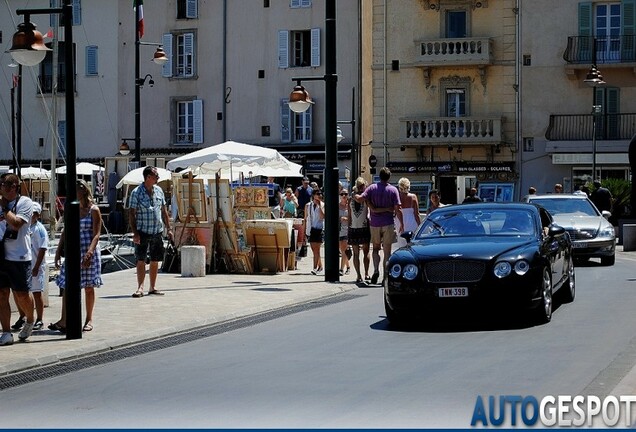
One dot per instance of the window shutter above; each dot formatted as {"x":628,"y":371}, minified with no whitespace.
{"x":294,"y":3}
{"x":315,"y":47}
{"x":197,"y":111}
{"x":192,"y":9}
{"x":77,"y":12}
{"x":61,"y":131}
{"x":613,"y":108}
{"x":188,"y":50}
{"x":91,"y":60}
{"x":166,"y":70}
{"x":283,"y":49}
{"x":53,"y":17}
{"x":285,"y":126}
{"x":585,"y":29}
{"x":305,"y":3}
{"x":628,"y":30}
{"x":308,"y":123}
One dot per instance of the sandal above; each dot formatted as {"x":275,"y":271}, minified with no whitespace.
{"x":87,"y":327}
{"x":155,"y":292}
{"x":347,"y":271}
{"x":57,"y":327}
{"x":138,"y":293}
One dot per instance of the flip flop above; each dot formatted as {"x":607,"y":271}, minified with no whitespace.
{"x":138,"y":294}
{"x":57,"y":327}
{"x":155,"y":292}
{"x":87,"y":327}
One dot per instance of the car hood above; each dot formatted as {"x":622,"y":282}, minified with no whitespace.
{"x":467,"y":247}
{"x":580,"y":222}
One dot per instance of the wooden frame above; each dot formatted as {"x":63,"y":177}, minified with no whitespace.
{"x":260,"y":213}
{"x":196,"y":190}
{"x":227,"y":237}
{"x":241,"y":262}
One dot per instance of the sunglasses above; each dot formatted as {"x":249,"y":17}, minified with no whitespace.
{"x":344,"y":194}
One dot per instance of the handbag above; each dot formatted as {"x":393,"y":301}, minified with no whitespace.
{"x":302,"y":253}
{"x":171,"y":259}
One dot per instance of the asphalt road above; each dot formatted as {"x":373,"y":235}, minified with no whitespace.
{"x":340,"y":365}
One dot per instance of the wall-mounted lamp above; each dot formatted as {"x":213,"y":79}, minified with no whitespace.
{"x":497,"y":148}
{"x":403,"y":148}
{"x":477,"y":5}
{"x":141,"y":81}
{"x":124,"y":148}
{"x":299,"y":99}
{"x":433,"y":5}
{"x":459,"y":149}
{"x":27,"y":46}
{"x":450,"y":147}
{"x":160,"y":56}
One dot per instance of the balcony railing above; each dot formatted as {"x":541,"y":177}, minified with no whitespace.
{"x":609,"y":49}
{"x":454,"y":51}
{"x":444,"y":130}
{"x":578,"y":127}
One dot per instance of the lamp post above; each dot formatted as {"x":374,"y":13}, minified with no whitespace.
{"x":16,"y":118}
{"x":355,"y":156}
{"x":28,"y":49}
{"x":594,"y":79}
{"x":159,"y":58}
{"x":300,"y":101}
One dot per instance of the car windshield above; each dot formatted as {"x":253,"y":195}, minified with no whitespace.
{"x":482,"y":222}
{"x":570,"y":206}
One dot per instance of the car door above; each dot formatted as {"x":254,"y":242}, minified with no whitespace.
{"x":554,"y":247}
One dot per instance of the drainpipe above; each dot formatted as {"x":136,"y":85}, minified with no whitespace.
{"x":224,"y":110}
{"x":384,"y":85}
{"x":518,"y":107}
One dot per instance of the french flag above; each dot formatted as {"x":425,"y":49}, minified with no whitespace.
{"x":140,"y":4}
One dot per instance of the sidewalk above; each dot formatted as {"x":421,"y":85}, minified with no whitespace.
{"x":120,"y":319}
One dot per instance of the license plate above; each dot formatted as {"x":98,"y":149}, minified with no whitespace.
{"x":579,"y":245}
{"x":453,"y":292}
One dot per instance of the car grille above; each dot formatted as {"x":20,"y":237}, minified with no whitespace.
{"x":584,"y":234}
{"x":454,"y":271}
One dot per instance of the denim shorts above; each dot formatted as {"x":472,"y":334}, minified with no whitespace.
{"x":16,"y":275}
{"x":152,"y":242}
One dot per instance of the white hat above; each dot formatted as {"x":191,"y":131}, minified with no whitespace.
{"x":37,"y":208}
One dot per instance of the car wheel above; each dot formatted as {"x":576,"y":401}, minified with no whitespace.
{"x":608,"y":260}
{"x":569,"y":287}
{"x":543,"y":312}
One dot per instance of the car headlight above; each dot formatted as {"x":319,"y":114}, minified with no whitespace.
{"x":410,"y":272}
{"x":607,"y":232}
{"x":502,"y":269}
{"x":522,"y":267}
{"x":395,"y":271}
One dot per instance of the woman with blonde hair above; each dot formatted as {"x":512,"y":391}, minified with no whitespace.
{"x":91,"y":273}
{"x":410,"y":210}
{"x":359,"y":234}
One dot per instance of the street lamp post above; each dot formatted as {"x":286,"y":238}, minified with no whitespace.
{"x":594,"y":79}
{"x":28,"y":49}
{"x":300,"y":101}
{"x":355,"y":156}
{"x":159,"y":58}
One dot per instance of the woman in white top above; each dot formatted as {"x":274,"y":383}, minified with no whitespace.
{"x":410,"y":210}
{"x":314,"y":224}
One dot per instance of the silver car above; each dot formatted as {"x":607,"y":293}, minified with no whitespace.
{"x":592,"y":235}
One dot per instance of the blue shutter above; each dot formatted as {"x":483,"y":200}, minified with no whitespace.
{"x":188,"y":51}
{"x":197,"y":111}
{"x":77,"y":12}
{"x":586,"y":31}
{"x":192,"y":9}
{"x":53,"y":17}
{"x":305,"y":3}
{"x":308,"y":120}
{"x":294,"y":3}
{"x":628,"y":30}
{"x":91,"y":60}
{"x":166,"y":70}
{"x":61,"y":131}
{"x":315,"y":47}
{"x":285,"y":124}
{"x":283,"y":49}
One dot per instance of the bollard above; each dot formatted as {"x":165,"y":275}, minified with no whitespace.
{"x":629,"y":237}
{"x":193,"y":261}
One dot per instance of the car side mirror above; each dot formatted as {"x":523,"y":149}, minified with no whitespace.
{"x":606,"y":214}
{"x":407,"y":236}
{"x":555,"y":230}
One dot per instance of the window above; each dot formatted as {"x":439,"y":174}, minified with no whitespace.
{"x":91,"y":60}
{"x":613,"y":24}
{"x":188,"y":124}
{"x":46,"y":69}
{"x":187,"y":9}
{"x":455,"y":102}
{"x":299,"y":48}
{"x":295,"y":127}
{"x":77,"y":13}
{"x":300,"y":3}
{"x":456,"y":26}
{"x":180,"y":49}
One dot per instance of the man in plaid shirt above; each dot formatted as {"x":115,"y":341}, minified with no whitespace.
{"x":148,"y":217}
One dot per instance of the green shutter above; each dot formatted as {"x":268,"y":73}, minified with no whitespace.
{"x":586,"y":31}
{"x":628,"y":30}
{"x":612,"y":110}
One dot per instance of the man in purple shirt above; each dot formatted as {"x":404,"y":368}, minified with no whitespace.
{"x":384,"y":205}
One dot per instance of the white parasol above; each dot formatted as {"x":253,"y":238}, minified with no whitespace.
{"x":34,"y":173}
{"x":82,"y":168}
{"x":136,"y":177}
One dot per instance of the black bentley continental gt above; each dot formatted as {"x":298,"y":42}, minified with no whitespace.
{"x":501,"y":255}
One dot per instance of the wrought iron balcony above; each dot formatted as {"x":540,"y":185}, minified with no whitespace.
{"x":454,"y":52}
{"x":450,"y":130}
{"x":609,"y":49}
{"x":578,"y":127}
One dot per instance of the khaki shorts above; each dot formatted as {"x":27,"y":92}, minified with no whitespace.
{"x":385,"y":235}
